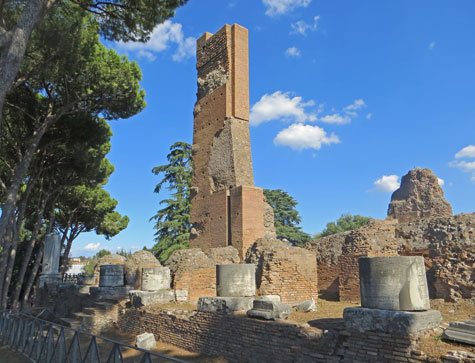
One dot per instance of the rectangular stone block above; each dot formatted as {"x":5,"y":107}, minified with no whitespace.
{"x":181,"y":295}
{"x":116,"y":292}
{"x":140,"y":298}
{"x":391,"y":322}
{"x":219,"y":304}
{"x":463,"y":332}
{"x":145,"y":341}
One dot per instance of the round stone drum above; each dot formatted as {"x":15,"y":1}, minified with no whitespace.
{"x":394,"y":283}
{"x":236,"y":280}
{"x":155,"y":278}
{"x":111,"y":275}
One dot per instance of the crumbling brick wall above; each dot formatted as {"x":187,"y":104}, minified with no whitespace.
{"x":375,"y":239}
{"x":446,"y":243}
{"x":241,"y":339}
{"x":290,"y":272}
{"x":194,"y":271}
{"x":226,"y":208}
{"x":328,"y":250}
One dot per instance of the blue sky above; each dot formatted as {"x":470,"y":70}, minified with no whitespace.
{"x":347,"y":96}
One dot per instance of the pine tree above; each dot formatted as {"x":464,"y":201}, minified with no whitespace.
{"x":286,"y":217}
{"x":346,"y":222}
{"x":173,"y":221}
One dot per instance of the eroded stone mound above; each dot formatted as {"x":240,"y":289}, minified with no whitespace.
{"x":284,"y":270}
{"x":419,"y":196}
{"x":224,"y":255}
{"x":112,"y":259}
{"x":134,"y":264}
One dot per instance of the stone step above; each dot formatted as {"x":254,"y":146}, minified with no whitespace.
{"x":103,"y":305}
{"x":89,"y":310}
{"x":73,"y":323}
{"x":85,"y":319}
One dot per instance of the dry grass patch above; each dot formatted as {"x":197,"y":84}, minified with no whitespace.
{"x":325,"y":310}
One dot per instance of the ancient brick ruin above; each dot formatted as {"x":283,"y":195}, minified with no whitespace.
{"x":424,"y":227}
{"x":226,"y":208}
{"x":233,"y":226}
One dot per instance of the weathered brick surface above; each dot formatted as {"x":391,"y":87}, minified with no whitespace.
{"x":226,"y":208}
{"x":290,"y":272}
{"x":193,"y":271}
{"x":241,"y":339}
{"x":446,"y":243}
{"x":328,"y":278}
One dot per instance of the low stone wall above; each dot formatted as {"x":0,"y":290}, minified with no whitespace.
{"x":241,"y":339}
{"x":379,"y":347}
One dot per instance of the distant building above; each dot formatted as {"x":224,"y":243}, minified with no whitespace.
{"x":75,"y":269}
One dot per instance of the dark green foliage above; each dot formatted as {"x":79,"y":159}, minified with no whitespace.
{"x":130,"y":19}
{"x":346,"y":222}
{"x":173,"y":220}
{"x":286,"y":217}
{"x":125,"y":253}
{"x":102,"y":253}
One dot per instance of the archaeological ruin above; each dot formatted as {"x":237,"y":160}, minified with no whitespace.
{"x":226,"y":208}
{"x":238,"y":292}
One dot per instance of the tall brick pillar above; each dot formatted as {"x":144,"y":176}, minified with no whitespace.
{"x":226,"y":208}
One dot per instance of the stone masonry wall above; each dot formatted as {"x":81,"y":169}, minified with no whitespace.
{"x":241,"y":339}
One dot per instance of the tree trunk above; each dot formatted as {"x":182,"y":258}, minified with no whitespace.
{"x":26,"y":258}
{"x":36,"y":265}
{"x":5,"y":253}
{"x":32,"y":277}
{"x":8,"y":208}
{"x":7,"y":264}
{"x":13,"y":52}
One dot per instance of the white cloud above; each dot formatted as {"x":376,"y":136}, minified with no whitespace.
{"x":276,"y":7}
{"x":466,"y":152}
{"x":292,"y":52}
{"x":441,"y":182}
{"x":349,"y":112}
{"x":112,"y":248}
{"x":301,"y":27}
{"x":387,"y":183}
{"x":163,"y":37}
{"x":464,"y":165}
{"x":336,"y":118}
{"x":369,"y":115}
{"x":431,"y":45}
{"x":279,"y":105}
{"x":92,"y":246}
{"x":356,"y":105}
{"x":298,"y":137}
